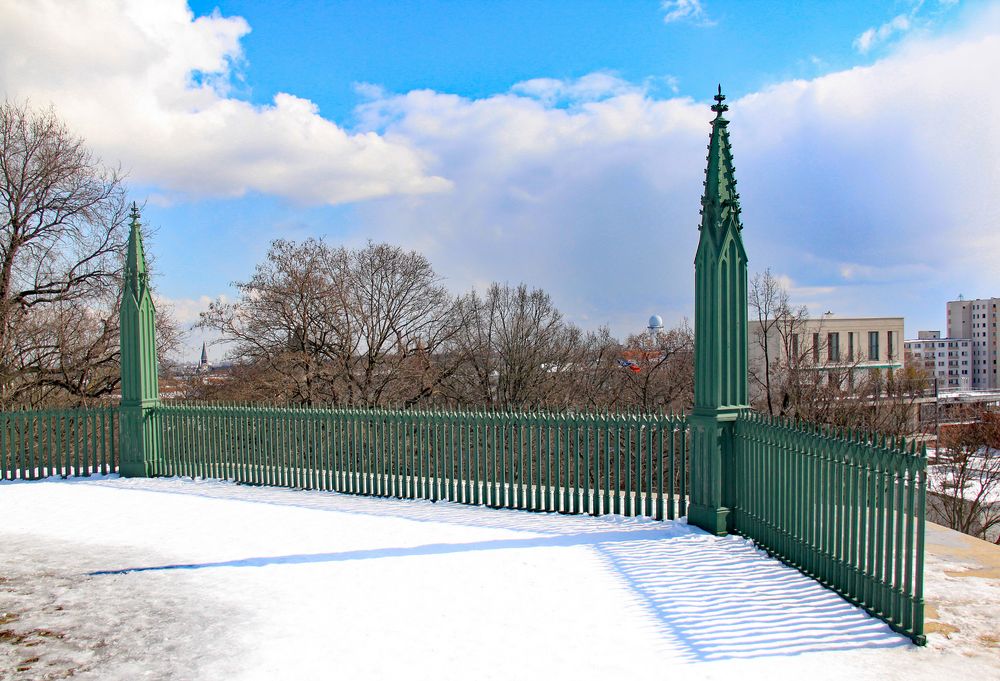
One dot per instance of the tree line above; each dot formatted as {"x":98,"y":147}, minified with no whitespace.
{"x":318,"y":324}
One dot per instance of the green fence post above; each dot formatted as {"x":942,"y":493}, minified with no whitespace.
{"x":140,"y":452}
{"x":720,"y":336}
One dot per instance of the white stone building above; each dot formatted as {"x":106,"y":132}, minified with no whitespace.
{"x":949,"y":360}
{"x":831,"y":343}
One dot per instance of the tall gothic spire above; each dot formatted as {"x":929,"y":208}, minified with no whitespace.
{"x":720,"y":284}
{"x":720,"y":204}
{"x":138,"y":324}
{"x":720,"y":333}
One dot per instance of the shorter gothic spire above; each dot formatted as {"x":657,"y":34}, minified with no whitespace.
{"x":135,"y":258}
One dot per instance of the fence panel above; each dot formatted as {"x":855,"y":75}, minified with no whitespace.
{"x":846,"y":510}
{"x":566,"y":463}
{"x":63,"y":442}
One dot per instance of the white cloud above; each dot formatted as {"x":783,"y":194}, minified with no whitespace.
{"x":151,"y":85}
{"x":589,"y":88}
{"x":186,"y":312}
{"x":587,"y":202}
{"x":899,"y":24}
{"x":919,"y":17}
{"x":872,"y":188}
{"x":685,"y":10}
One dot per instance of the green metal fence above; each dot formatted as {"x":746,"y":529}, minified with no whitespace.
{"x":65,"y":442}
{"x":845,"y":509}
{"x":596,"y":464}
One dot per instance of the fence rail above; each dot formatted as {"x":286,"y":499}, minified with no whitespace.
{"x":65,"y":442}
{"x":846,"y":510}
{"x":595,"y":464}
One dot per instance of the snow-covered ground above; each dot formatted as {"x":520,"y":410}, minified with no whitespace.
{"x":173,"y":579}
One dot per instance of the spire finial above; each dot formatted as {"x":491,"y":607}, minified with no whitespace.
{"x":134,"y":214}
{"x":719,"y":107}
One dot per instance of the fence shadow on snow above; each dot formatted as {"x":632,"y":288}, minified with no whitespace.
{"x":692,"y":586}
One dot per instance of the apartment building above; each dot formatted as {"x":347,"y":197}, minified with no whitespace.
{"x":977,"y":321}
{"x":947,"y":359}
{"x":830,"y":342}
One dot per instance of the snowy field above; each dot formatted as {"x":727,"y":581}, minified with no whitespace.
{"x":172,"y":579}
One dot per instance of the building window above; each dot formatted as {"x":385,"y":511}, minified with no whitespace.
{"x":891,"y":350}
{"x":873,"y":345}
{"x":816,"y":348}
{"x":795,"y":348}
{"x":833,"y":347}
{"x":850,"y":346}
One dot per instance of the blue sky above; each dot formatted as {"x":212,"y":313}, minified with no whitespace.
{"x":557,"y":143}
{"x":321,"y":50}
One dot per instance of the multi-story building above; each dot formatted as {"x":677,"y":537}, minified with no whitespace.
{"x":949,"y":360}
{"x":832,"y":343}
{"x":977,"y":321}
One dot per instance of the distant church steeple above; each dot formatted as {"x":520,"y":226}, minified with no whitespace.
{"x":204,"y":356}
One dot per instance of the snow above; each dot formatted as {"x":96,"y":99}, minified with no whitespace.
{"x":113,"y":578}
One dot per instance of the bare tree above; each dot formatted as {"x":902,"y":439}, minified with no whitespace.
{"x":774,"y":339}
{"x":964,"y":483}
{"x":663,"y":378}
{"x":63,"y":233}
{"x":285,"y":323}
{"x":517,"y":351}
{"x":338,"y":326}
{"x":596,"y":382}
{"x":395,"y":316}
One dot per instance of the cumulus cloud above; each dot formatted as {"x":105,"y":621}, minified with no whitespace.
{"x":152,"y":85}
{"x":872,"y":188}
{"x":685,"y":10}
{"x":593,"y":202}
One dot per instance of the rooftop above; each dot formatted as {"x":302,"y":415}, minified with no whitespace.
{"x":192,"y":579}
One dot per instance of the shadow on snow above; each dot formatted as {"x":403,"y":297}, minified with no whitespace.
{"x":718,"y":598}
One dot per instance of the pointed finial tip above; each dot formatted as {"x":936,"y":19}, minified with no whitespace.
{"x":719,"y":98}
